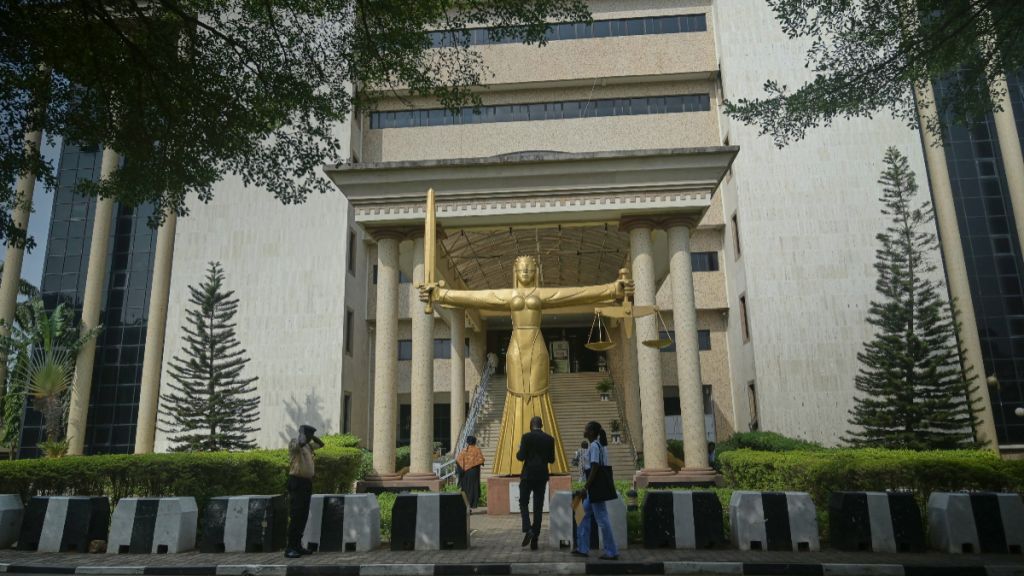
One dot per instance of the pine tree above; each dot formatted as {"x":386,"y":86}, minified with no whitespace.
{"x":914,"y":383}
{"x":211,"y":406}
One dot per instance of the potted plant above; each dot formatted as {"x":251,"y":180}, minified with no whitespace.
{"x":616,"y":427}
{"x":605,"y":388}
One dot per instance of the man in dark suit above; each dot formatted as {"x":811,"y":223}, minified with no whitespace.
{"x":536,"y":451}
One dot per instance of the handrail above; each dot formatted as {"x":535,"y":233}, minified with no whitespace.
{"x":621,"y":409}
{"x":444,"y":467}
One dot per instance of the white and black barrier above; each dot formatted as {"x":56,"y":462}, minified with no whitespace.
{"x":153,"y":526}
{"x":11,"y":512}
{"x":562,"y":522}
{"x":687,"y":520}
{"x":985,"y":522}
{"x":875,"y":522}
{"x":430,"y":522}
{"x":343,"y":523}
{"x":773,"y":521}
{"x":245,"y":524}
{"x":63,"y":523}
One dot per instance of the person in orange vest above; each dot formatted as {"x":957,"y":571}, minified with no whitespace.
{"x":467,"y":467}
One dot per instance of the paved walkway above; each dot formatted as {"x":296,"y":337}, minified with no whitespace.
{"x":495,"y":550}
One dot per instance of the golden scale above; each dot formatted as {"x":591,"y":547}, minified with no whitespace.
{"x":626,"y":313}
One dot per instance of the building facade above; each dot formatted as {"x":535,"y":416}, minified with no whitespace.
{"x":604,"y":149}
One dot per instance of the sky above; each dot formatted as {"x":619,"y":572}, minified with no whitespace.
{"x":39,"y":222}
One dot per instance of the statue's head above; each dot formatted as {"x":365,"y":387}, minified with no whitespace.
{"x":526,"y":271}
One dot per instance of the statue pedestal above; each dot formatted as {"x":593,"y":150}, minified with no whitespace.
{"x":395,"y":483}
{"x":503,"y":493}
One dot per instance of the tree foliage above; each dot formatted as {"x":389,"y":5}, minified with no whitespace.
{"x":867,"y":55}
{"x":189,"y":90}
{"x":915,"y":386}
{"x":210,"y":406}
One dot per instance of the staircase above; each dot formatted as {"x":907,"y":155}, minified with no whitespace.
{"x":576,"y":401}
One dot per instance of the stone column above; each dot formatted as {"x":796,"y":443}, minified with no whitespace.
{"x":15,"y":254}
{"x":156,"y":325}
{"x":385,"y":366}
{"x":631,"y":388}
{"x":96,"y":275}
{"x":422,"y":386}
{"x":457,"y":326}
{"x":651,"y":395}
{"x":1009,"y":145}
{"x":953,"y":259}
{"x":684,"y":316}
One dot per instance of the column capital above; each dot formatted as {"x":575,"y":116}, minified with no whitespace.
{"x":378,"y":234}
{"x":414,"y":233}
{"x":630,"y":223}
{"x":688,"y":220}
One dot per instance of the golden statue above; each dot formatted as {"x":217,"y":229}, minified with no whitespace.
{"x":526,"y":362}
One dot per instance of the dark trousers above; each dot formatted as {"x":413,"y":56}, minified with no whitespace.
{"x":535,"y":487}
{"x":300,"y":492}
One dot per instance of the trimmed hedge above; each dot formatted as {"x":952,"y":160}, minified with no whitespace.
{"x":765,"y":442}
{"x":821,"y":472}
{"x":202,"y":475}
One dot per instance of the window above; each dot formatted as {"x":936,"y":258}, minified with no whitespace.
{"x":704,"y":261}
{"x":736,"y":234}
{"x":346,"y":426}
{"x":442,"y":348}
{"x":539,"y":111}
{"x":576,"y":30}
{"x":752,"y":402}
{"x":744,"y":324}
{"x":352,"y":252}
{"x":405,"y":349}
{"x":670,"y":335}
{"x":349,"y":319}
{"x":704,"y":340}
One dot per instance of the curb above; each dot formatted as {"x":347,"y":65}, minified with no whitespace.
{"x":498,"y":569}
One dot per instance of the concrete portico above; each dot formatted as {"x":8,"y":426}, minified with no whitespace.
{"x":583,"y":216}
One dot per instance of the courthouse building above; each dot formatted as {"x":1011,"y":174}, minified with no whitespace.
{"x":606,"y":148}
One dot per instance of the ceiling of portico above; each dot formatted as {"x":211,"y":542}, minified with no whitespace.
{"x":568,"y":255}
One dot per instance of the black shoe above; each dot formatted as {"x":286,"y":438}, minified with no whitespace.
{"x":305,"y":551}
{"x":292,"y":553}
{"x":527,"y":537}
{"x":578,"y":553}
{"x":607,"y":557}
{"x":533,"y":542}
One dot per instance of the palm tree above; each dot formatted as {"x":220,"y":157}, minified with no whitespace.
{"x":44,"y":348}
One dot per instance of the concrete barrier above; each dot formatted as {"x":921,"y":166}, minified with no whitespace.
{"x":153,"y":526}
{"x":562,"y":523}
{"x":11,"y":513}
{"x":343,"y":523}
{"x":245,"y":524}
{"x":773,"y":521}
{"x":875,"y":522}
{"x":64,"y":523}
{"x":685,"y":520}
{"x":430,"y":522}
{"x":985,"y":522}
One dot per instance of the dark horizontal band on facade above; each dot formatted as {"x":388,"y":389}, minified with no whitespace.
{"x":575,"y":30}
{"x":565,"y":110}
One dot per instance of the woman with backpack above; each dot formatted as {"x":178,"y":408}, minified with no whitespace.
{"x":599,"y":489}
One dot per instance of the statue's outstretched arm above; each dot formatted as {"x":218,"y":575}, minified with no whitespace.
{"x":579,"y":295}
{"x":474,"y":299}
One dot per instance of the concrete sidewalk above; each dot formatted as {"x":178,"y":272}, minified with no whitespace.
{"x":495,"y":550}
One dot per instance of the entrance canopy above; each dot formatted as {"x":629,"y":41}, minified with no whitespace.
{"x":564,"y":208}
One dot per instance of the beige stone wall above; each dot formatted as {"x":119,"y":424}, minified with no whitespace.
{"x":640,"y":132}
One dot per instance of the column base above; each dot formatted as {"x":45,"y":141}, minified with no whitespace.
{"x":685,"y":478}
{"x":378,"y":483}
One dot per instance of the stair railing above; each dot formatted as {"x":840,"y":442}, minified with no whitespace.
{"x":621,"y":409}
{"x":444,"y":467}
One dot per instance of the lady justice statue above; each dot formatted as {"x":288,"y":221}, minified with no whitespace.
{"x":527,"y":361}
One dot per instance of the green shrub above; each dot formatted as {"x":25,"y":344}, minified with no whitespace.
{"x":401,"y":457}
{"x":483,"y":491}
{"x":821,"y":472}
{"x":675,"y":448}
{"x":765,"y":442}
{"x":386,"y":501}
{"x":341,"y":441}
{"x":202,"y":475}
